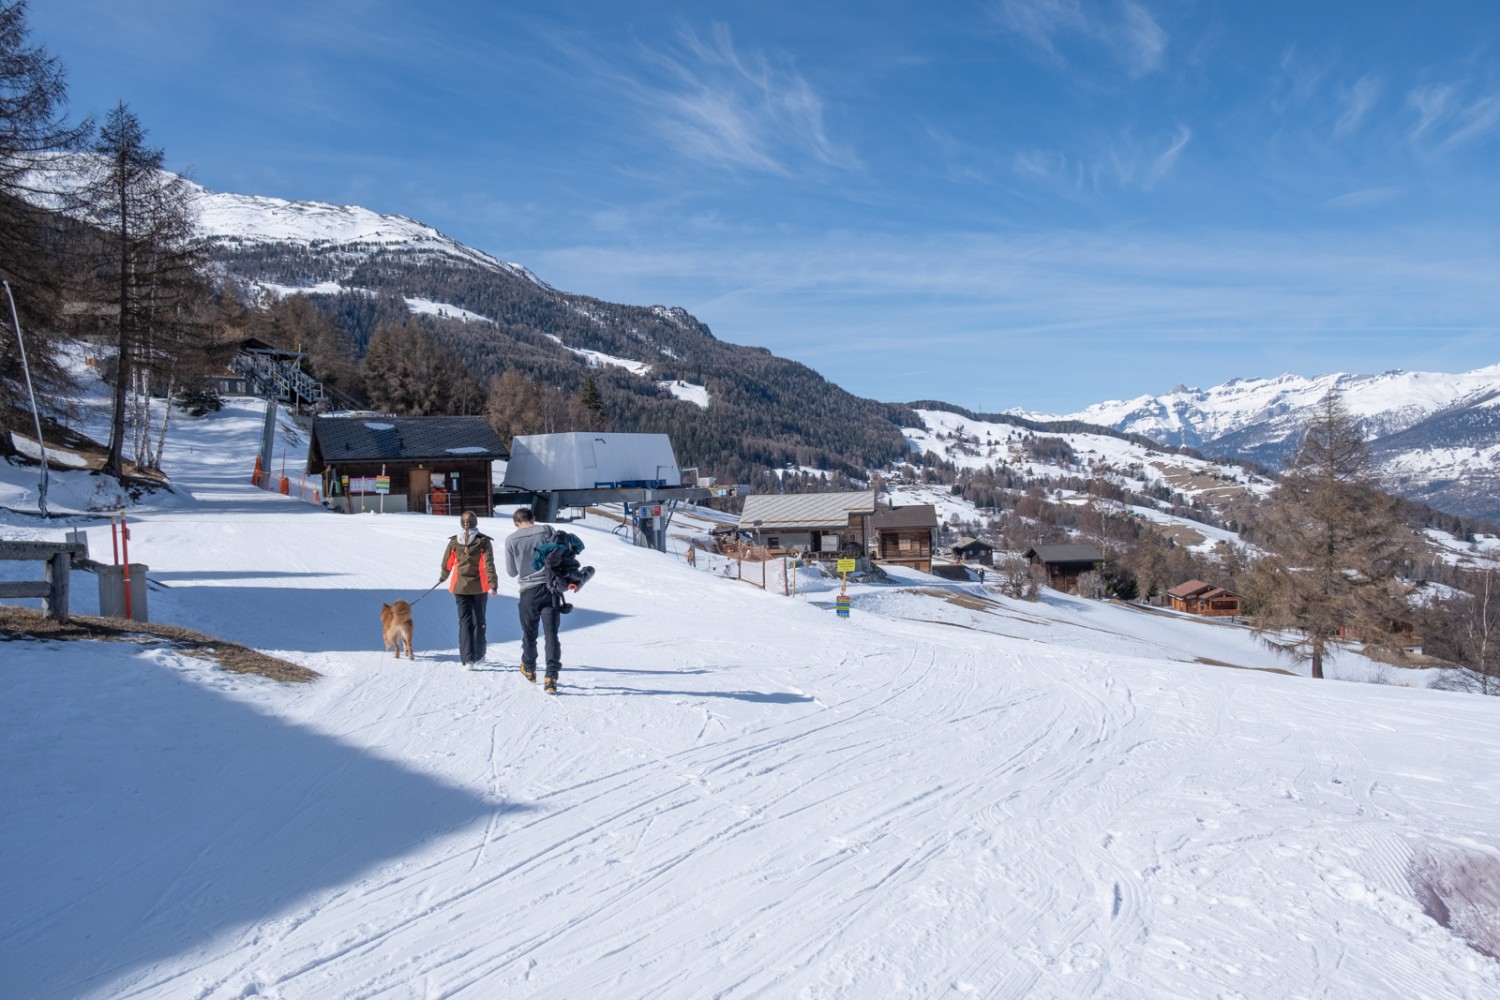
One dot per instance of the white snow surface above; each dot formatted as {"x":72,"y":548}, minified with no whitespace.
{"x":736,"y":794}
{"x":687,"y":391}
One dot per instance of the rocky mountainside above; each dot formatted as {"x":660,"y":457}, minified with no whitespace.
{"x":1435,"y":437}
{"x":734,"y":410}
{"x":730,"y":410}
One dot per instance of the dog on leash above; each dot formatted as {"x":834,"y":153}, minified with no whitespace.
{"x":395,"y":626}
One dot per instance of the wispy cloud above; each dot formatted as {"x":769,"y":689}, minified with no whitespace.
{"x":1363,"y":197}
{"x":1126,"y":163}
{"x":743,"y":110}
{"x":1358,"y":100}
{"x":1126,"y":29}
{"x":1269,"y":299}
{"x":1431,"y":104}
{"x":1448,"y":118}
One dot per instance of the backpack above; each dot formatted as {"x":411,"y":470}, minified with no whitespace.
{"x":559,"y":541}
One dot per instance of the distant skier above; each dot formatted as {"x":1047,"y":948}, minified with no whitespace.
{"x":469,"y":568}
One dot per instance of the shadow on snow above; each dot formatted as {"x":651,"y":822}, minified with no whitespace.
{"x":146,"y":814}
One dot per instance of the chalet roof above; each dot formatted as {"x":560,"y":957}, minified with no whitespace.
{"x":917,"y":515}
{"x":782,"y":511}
{"x":402,"y":439}
{"x":971,"y":543}
{"x":1189,"y":589}
{"x":1202,"y":591}
{"x":1078,"y":552}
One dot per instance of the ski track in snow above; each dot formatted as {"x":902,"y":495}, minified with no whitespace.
{"x":738,"y":795}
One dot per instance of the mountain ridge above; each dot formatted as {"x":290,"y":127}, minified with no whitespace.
{"x":779,"y":412}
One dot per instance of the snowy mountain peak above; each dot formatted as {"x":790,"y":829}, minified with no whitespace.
{"x":247,"y":220}
{"x":1411,"y":420}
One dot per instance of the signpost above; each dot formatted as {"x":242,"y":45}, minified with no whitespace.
{"x":841,"y":603}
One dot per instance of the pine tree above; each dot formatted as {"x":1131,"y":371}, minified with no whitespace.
{"x":593,"y":404}
{"x":1338,"y":547}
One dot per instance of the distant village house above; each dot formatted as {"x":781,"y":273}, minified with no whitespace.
{"x":972,"y":550}
{"x":822,"y":525}
{"x":904,"y":535}
{"x":1198,"y":598}
{"x":1064,"y":564}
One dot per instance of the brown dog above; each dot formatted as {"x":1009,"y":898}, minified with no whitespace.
{"x":395,"y":625}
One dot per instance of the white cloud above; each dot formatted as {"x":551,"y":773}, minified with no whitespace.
{"x":1358,"y":101}
{"x":1431,"y":104}
{"x":1167,"y":159}
{"x":1366,"y":196}
{"x":741,"y":110}
{"x":1127,"y":163}
{"x":1477,"y":120}
{"x":1127,"y":30}
{"x":1143,"y":42}
{"x":1447,"y":120}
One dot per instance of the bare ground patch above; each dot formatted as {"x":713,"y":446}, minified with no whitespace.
{"x":17,"y":623}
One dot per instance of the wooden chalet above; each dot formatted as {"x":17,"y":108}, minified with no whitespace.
{"x":1198,"y":598}
{"x":822,"y":525}
{"x":429,"y":465}
{"x":1064,"y":564}
{"x":972,"y":550}
{"x":903,"y":535}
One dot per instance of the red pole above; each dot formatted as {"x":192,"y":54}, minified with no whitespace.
{"x":125,"y":544}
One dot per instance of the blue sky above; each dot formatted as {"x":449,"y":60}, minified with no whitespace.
{"x":1033,"y":203}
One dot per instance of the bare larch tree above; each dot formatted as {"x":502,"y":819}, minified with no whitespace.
{"x":1338,"y":548}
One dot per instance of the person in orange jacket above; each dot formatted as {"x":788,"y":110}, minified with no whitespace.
{"x":469,"y":568}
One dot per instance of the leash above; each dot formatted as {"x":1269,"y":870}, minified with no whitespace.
{"x":430,"y":589}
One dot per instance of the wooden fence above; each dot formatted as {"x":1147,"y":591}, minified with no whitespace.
{"x":53,"y":588}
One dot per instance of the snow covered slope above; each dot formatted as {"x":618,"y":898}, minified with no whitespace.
{"x":736,"y":793}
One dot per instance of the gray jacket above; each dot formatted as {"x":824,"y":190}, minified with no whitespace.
{"x":520,"y":550}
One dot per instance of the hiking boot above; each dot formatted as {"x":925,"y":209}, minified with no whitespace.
{"x":551,"y":685}
{"x":529,"y":673}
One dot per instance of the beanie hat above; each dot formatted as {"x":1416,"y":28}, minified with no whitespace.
{"x":469,"y":520}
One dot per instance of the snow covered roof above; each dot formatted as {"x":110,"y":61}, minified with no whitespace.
{"x":400,"y":439}
{"x":805,"y":510}
{"x":917,"y":515}
{"x":1075,"y":552}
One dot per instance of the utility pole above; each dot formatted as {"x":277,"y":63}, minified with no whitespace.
{"x":41,"y":495}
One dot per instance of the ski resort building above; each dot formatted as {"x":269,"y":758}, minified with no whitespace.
{"x":822,"y":525}
{"x":430,"y":465}
{"x":584,"y":460}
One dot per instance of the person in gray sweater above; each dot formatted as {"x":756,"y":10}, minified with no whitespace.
{"x":537,"y":608}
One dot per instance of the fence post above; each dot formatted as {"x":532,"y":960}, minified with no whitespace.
{"x":55,"y":605}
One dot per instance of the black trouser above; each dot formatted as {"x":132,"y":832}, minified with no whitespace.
{"x":471,"y":626}
{"x":536,"y":608}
